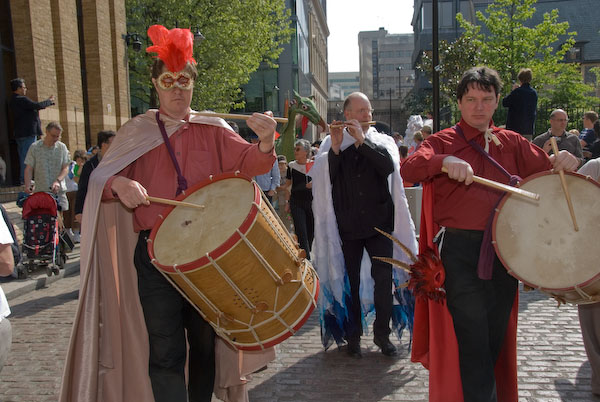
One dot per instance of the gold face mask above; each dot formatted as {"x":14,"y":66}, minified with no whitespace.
{"x":169,"y":80}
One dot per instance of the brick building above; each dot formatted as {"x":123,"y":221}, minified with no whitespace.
{"x":73,"y":49}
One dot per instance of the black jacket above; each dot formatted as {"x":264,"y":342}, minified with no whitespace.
{"x":25,"y":115}
{"x":360,"y":191}
{"x":82,"y":186}
{"x":521,"y":104}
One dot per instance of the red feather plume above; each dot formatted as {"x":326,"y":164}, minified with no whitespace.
{"x":427,"y":277}
{"x":174,"y":47}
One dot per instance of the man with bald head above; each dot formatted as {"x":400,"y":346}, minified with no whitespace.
{"x":565,"y":140}
{"x":360,"y":168}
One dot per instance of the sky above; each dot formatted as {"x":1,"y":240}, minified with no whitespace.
{"x":346,"y":18}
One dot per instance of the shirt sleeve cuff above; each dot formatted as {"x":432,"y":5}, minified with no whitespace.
{"x":107,"y":193}
{"x":434,"y":166}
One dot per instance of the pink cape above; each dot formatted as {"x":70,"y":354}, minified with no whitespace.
{"x":107,"y":359}
{"x":434,"y":340}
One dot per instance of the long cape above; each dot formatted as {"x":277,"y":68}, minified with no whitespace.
{"x":434,"y":340}
{"x":107,"y":359}
{"x":328,"y":259}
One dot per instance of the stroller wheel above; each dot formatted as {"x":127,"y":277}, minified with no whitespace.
{"x":55,"y":270}
{"x":49,"y":270}
{"x":22,"y":272}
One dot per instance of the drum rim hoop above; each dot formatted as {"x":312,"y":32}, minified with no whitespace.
{"x":495,"y":243}
{"x":223,"y":247}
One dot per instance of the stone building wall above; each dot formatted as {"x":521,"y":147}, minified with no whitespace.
{"x":48,"y":55}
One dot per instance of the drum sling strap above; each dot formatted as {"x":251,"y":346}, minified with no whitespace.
{"x":181,"y":181}
{"x":485,"y":265}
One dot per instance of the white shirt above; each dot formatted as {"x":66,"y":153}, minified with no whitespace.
{"x":5,"y":238}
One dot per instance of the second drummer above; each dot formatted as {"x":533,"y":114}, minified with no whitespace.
{"x":110,"y":339}
{"x":480,"y":293}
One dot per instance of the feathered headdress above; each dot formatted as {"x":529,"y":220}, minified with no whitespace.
{"x":174,"y":47}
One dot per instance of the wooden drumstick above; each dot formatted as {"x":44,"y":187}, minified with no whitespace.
{"x":563,"y":182}
{"x":173,"y":202}
{"x":232,"y":116}
{"x":502,"y":187}
{"x":362,"y":123}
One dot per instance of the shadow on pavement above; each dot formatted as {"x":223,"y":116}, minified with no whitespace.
{"x":569,"y":391}
{"x":334,"y":376}
{"x":31,"y":307}
{"x":531,"y":296}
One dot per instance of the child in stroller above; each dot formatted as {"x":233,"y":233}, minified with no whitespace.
{"x":44,"y":243}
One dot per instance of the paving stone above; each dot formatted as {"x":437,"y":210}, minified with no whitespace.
{"x":552,"y":365}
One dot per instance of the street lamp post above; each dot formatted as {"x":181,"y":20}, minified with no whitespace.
{"x":399,"y":68}
{"x":275,"y":99}
{"x":436,"y":68}
{"x":391,"y":130}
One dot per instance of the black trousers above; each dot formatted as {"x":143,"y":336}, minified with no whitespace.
{"x":168,"y":315}
{"x":480,"y":310}
{"x":376,"y":246}
{"x":304,"y":223}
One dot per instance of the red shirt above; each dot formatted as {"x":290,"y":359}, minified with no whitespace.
{"x":201,"y":150}
{"x":460,"y":206}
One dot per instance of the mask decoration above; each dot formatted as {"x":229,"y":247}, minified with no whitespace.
{"x":169,"y":80}
{"x":174,"y":47}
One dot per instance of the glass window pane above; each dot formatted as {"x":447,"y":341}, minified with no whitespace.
{"x":426,"y":16}
{"x":446,"y":17}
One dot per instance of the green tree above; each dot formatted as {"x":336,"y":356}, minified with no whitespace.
{"x":239,"y":35}
{"x":507,"y":45}
{"x":454,"y":58}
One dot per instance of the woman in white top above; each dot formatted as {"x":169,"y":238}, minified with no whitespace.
{"x":6,"y":268}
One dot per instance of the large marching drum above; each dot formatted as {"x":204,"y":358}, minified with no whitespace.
{"x":235,"y":262}
{"x":537,"y":241}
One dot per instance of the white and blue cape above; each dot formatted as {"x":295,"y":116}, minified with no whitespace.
{"x":328,"y":258}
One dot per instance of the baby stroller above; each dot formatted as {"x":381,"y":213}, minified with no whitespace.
{"x":44,"y":244}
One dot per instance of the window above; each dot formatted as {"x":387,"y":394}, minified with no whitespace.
{"x":426,"y":17}
{"x":445,"y":15}
{"x":575,"y":53}
{"x":467,"y":11}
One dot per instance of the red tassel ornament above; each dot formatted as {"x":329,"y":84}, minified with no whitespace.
{"x":427,"y":273}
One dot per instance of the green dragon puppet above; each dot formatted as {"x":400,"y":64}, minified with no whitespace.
{"x":299,"y":105}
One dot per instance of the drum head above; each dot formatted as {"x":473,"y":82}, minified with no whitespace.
{"x":187,"y":234}
{"x":537,"y":242}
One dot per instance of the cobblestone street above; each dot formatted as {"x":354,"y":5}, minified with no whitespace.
{"x":552,"y":362}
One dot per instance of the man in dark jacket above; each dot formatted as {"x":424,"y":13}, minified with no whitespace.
{"x":522,"y":104}
{"x":362,"y":202}
{"x":26,"y":119}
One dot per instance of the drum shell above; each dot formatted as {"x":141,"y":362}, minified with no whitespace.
{"x":538,"y":245}
{"x":230,"y":284}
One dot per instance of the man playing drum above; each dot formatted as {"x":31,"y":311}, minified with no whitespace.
{"x":479,"y":292}
{"x":129,"y":337}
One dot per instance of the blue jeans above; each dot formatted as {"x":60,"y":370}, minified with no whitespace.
{"x":23,"y":145}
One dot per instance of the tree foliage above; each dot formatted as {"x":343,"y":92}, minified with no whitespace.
{"x":455,"y":58}
{"x":239,"y":35}
{"x":502,"y":41}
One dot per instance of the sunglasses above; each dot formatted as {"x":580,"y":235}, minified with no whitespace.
{"x":169,"y":80}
